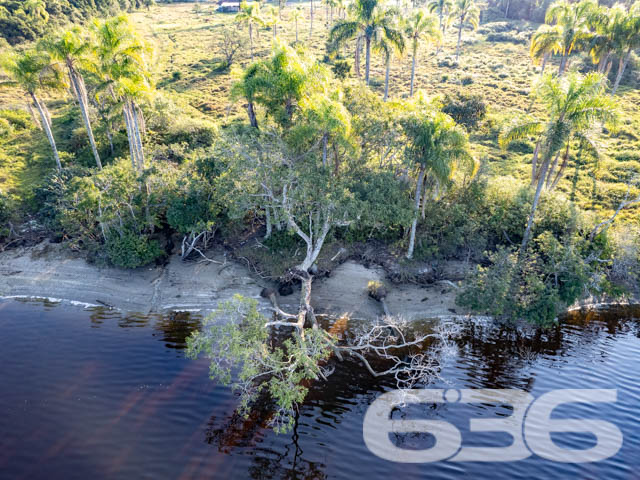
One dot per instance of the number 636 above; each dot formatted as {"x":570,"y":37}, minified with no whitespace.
{"x":530,"y":426}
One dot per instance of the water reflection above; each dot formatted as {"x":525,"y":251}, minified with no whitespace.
{"x":95,"y":393}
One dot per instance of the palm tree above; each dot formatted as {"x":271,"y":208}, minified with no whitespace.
{"x":466,"y":12}
{"x":574,"y":20}
{"x":627,"y":40}
{"x":368,"y":22}
{"x":250,"y":15}
{"x":272,"y":20}
{"x":296,"y":15}
{"x":545,"y":42}
{"x":391,"y":43}
{"x":605,"y":23}
{"x":435,"y":146}
{"x":443,"y":8}
{"x":33,"y":71}
{"x":575,"y":104}
{"x":121,"y":65}
{"x":421,"y":26}
{"x":71,"y":48}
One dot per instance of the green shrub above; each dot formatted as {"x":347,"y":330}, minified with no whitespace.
{"x":465,"y":109}
{"x":341,"y":68}
{"x":5,"y":216}
{"x":517,"y":38}
{"x":466,"y":80}
{"x":132,"y":250}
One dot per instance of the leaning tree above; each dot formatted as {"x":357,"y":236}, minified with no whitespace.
{"x":279,"y":355}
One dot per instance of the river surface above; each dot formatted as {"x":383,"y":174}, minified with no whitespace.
{"x":95,"y":394}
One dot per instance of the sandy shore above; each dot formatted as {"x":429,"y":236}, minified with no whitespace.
{"x":51,"y":271}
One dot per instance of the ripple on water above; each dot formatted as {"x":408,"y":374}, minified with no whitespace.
{"x":93,"y":393}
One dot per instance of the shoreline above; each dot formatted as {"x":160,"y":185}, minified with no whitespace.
{"x":51,"y":272}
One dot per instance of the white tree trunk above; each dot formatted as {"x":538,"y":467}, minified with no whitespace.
{"x":414,"y":224}
{"x":81,"y":94}
{"x":46,"y":122}
{"x":413,"y":68}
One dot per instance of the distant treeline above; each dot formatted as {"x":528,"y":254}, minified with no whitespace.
{"x":25,"y":20}
{"x":532,"y":10}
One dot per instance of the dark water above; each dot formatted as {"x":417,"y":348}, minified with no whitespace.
{"x":93,"y":394}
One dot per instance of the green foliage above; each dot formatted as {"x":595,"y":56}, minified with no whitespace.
{"x":5,"y":216}
{"x":466,"y":109}
{"x":131,"y":250}
{"x":235,"y":337}
{"x":341,"y":68}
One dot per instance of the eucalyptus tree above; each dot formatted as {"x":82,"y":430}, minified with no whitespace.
{"x":421,"y":26}
{"x":575,"y":105}
{"x":466,"y":12}
{"x":545,"y":42}
{"x":574,"y":20}
{"x":121,"y":63}
{"x":32,"y":71}
{"x":250,"y":15}
{"x":71,"y":47}
{"x":436,"y":146}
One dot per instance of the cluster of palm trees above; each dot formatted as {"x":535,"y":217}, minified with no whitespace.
{"x":585,"y":26}
{"x":111,"y":57}
{"x":375,"y":27}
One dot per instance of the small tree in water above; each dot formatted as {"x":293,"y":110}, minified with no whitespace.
{"x":282,"y":365}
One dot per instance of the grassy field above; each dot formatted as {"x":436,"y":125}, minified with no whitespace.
{"x":187,"y":52}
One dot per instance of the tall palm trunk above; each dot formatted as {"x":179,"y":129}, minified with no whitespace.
{"x":414,"y":224}
{"x":367,"y":40}
{"x":563,"y":64}
{"x":128,"y":123}
{"x":311,"y":20}
{"x":46,"y":123}
{"x":459,"y":38}
{"x":413,"y":67}
{"x":545,"y":58}
{"x":356,"y":63}
{"x":621,"y":67}
{"x":251,"y":40}
{"x":386,"y":78}
{"x":536,"y":199}
{"x":296,"y":30}
{"x":137,"y":122}
{"x":81,"y":94}
{"x":35,"y":119}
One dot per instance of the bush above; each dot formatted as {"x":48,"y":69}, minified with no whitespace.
{"x":466,"y":80}
{"x":517,"y":38}
{"x":5,"y":215}
{"x":537,"y":288}
{"x":17,"y":119}
{"x":341,"y":68}
{"x":465,"y":109}
{"x":448,"y":62}
{"x":131,"y":250}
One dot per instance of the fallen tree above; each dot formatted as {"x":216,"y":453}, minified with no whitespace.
{"x":280,"y":356}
